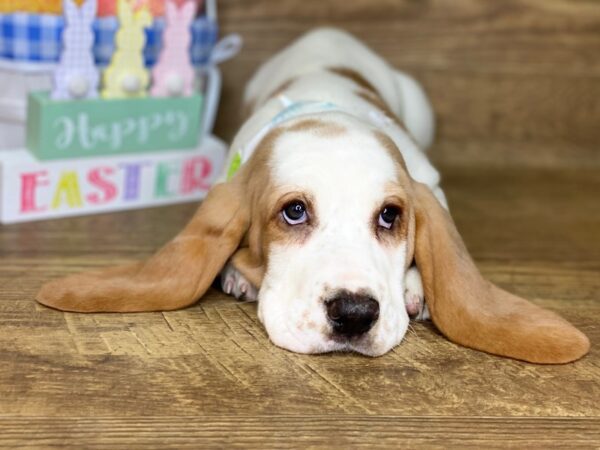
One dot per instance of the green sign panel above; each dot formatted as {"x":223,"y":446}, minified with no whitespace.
{"x":58,"y":129}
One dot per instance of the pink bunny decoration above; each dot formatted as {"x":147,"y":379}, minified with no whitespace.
{"x":76,"y":75}
{"x":174,"y":73}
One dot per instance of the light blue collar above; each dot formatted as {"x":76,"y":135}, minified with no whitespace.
{"x":291,"y":110}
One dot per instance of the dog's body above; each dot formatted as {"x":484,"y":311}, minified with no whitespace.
{"x":326,"y":203}
{"x":329,"y":65}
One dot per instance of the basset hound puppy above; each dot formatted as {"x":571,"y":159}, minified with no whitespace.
{"x":331,"y":216}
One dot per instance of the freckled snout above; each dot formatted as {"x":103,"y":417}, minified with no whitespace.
{"x":352,"y":314}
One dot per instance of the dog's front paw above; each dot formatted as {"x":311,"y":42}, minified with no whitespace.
{"x":414,"y":298}
{"x":234,"y":283}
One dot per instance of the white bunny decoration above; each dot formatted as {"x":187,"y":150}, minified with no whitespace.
{"x":76,"y":75}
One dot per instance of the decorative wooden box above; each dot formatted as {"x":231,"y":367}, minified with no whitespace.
{"x":34,"y":190}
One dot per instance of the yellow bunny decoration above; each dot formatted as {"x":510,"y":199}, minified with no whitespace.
{"x":127,"y":76}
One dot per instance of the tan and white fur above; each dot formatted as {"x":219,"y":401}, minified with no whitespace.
{"x":371,"y":238}
{"x":326,"y":65}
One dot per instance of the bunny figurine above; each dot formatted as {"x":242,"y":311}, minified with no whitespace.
{"x":174,"y":73}
{"x":127,"y":76}
{"x":76,"y":75}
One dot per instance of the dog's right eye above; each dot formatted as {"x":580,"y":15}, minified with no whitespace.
{"x":388,"y":216}
{"x":294,"y":213}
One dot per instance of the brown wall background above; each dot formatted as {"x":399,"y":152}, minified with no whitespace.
{"x":513,"y":82}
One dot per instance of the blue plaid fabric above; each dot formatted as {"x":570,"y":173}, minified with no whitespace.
{"x":205,"y":33}
{"x":104,"y":39}
{"x":37,"y":38}
{"x":29,"y":37}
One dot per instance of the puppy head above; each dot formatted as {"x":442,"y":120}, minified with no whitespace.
{"x":335,"y":239}
{"x":325,"y":219}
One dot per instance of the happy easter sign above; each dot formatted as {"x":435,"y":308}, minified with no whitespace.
{"x":79,"y":131}
{"x":30,"y":190}
{"x":65,"y":129}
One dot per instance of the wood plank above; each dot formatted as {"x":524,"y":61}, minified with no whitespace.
{"x":307,"y":432}
{"x":217,"y":360}
{"x":524,"y":72}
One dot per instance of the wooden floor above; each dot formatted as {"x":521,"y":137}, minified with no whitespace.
{"x":210,"y":373}
{"x":516,"y":87}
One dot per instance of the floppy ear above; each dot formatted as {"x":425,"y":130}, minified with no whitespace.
{"x":472,"y":311}
{"x":175,"y":277}
{"x":248,"y":265}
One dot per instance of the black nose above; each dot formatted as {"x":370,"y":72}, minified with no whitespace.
{"x":352,"y":314}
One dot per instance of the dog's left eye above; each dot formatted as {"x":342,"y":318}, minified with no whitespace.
{"x":388,"y":216}
{"x":294,"y":213}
